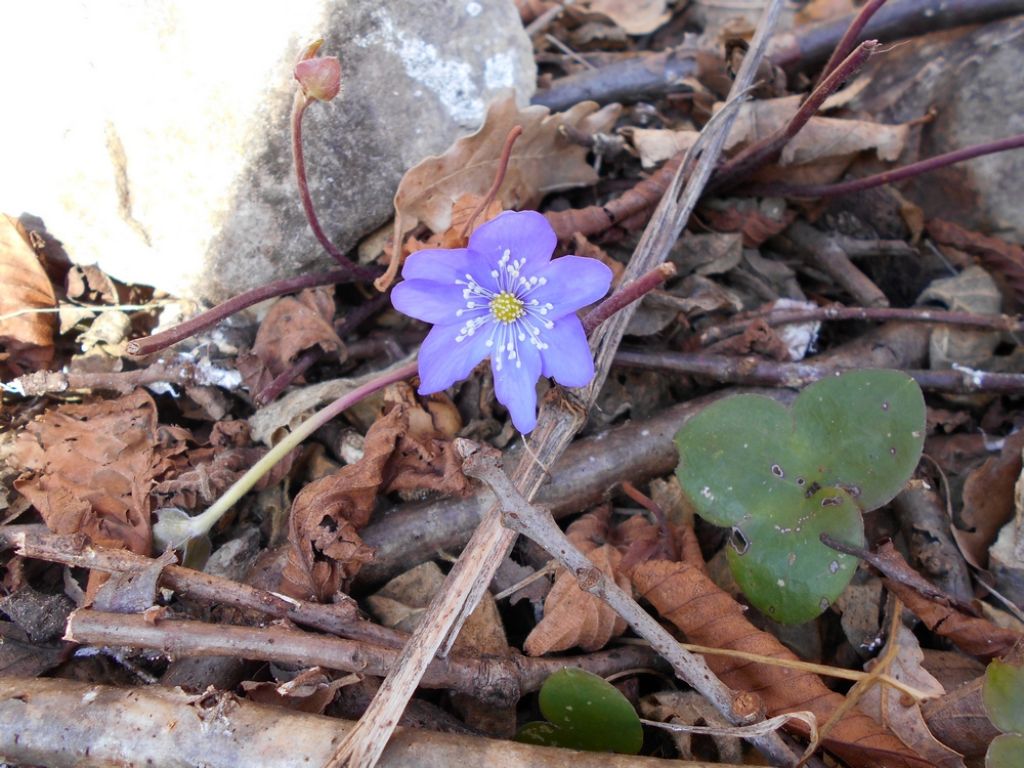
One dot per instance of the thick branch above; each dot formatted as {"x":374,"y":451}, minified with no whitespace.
{"x":65,"y":724}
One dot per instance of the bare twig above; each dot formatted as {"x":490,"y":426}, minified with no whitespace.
{"x":336,"y":618}
{"x":498,"y":680}
{"x":48,"y":382}
{"x":757,"y":371}
{"x":820,"y":251}
{"x":559,"y":420}
{"x":775,"y":317}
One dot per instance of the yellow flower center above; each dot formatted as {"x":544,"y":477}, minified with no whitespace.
{"x":506,"y":308}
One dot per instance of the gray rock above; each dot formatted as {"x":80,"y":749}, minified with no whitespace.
{"x":970,"y":76}
{"x":153,"y":138}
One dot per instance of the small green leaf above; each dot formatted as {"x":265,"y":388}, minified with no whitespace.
{"x":1003,"y":693}
{"x":584,"y":712}
{"x":781,"y":477}
{"x":1005,"y":751}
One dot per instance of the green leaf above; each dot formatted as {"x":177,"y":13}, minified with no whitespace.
{"x":780,"y":477}
{"x":584,"y":712}
{"x":1005,"y":751}
{"x":1003,"y":693}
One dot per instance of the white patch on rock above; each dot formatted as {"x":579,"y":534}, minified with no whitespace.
{"x":449,"y":79}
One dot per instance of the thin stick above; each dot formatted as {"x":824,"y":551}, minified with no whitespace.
{"x":352,"y":269}
{"x":776,"y":317}
{"x":499,"y":177}
{"x":500,"y":681}
{"x":849,"y":38}
{"x":214,"y":315}
{"x":887,"y":177}
{"x":627,"y":294}
{"x":304,"y":362}
{"x":558,"y":422}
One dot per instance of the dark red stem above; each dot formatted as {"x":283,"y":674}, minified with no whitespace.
{"x":760,"y":153}
{"x":627,"y":294}
{"x":235,"y":304}
{"x":887,"y":177}
{"x":302,"y":364}
{"x":849,"y":38}
{"x":499,"y":177}
{"x":298,"y":110}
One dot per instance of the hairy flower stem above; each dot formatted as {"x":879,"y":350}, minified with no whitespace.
{"x":499,"y":177}
{"x":178,"y":532}
{"x":887,"y":177}
{"x":214,"y":315}
{"x":303,"y":363}
{"x":627,"y":294}
{"x":298,"y":110}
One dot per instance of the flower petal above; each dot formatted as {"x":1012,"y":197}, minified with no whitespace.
{"x":442,"y":265}
{"x":443,"y":360}
{"x":525,"y":234}
{"x":573,"y":282}
{"x":431,"y":302}
{"x":516,"y":386}
{"x":568,"y":359}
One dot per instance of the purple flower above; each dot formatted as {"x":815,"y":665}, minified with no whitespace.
{"x":504,"y":298}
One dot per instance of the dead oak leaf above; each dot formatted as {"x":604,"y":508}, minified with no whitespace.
{"x":26,"y":337}
{"x":90,"y":467}
{"x":542,"y":161}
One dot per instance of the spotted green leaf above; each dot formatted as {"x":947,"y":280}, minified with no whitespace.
{"x":780,"y":477}
{"x":584,"y":712}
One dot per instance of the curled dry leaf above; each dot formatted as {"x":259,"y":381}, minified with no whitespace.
{"x":635,"y":17}
{"x":327,"y":514}
{"x":1004,"y":259}
{"x":91,"y":467}
{"x":542,"y":161}
{"x":973,"y":635}
{"x":888,"y":705}
{"x":573,"y":617}
{"x":26,"y":340}
{"x":293,"y":325}
{"x":708,"y":616}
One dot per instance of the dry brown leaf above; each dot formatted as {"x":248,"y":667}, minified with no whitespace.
{"x":959,"y":718}
{"x":292,"y":325}
{"x":573,"y":617}
{"x":708,"y":616}
{"x":635,"y":17}
{"x":542,"y":161}
{"x":825,"y":144}
{"x":690,"y":708}
{"x":91,"y":467}
{"x":978,"y":637}
{"x":26,"y":340}
{"x":988,"y":502}
{"x":312,"y":690}
{"x":887,"y":705}
{"x":326,"y":514}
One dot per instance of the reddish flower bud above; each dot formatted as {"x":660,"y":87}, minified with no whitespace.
{"x":320,"y":78}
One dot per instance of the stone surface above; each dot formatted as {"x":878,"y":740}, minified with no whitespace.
{"x":971,"y":77}
{"x":153,"y":138}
